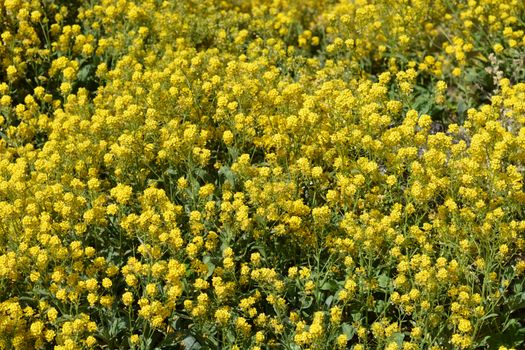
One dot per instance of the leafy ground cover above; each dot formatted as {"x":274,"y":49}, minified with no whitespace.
{"x":262,"y":174}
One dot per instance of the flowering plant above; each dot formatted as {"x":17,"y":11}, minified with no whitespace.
{"x":262,"y":174}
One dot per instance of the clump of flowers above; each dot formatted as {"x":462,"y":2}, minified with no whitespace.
{"x":265,"y":174}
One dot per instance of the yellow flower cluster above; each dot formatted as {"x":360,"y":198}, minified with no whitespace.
{"x":262,"y":174}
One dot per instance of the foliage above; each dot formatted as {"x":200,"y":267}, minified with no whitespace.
{"x":308,"y":174}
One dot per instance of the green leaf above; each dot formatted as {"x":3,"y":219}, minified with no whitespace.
{"x":517,"y":301}
{"x":486,"y":317}
{"x":384,"y":281}
{"x":171,"y":171}
{"x":169,"y":340}
{"x":190,"y":343}
{"x":356,"y":316}
{"x":330,"y":285}
{"x":348,"y":330}
{"x":227,"y":173}
{"x":380,"y":306}
{"x":307,"y":303}
{"x":209,"y":264}
{"x":398,"y":338}
{"x":117,"y":326}
{"x":513,"y":335}
{"x":84,"y":72}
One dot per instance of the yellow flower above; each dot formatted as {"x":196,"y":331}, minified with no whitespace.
{"x":134,"y":339}
{"x":127,"y":298}
{"x":309,"y":287}
{"x":498,"y":48}
{"x":65,"y":88}
{"x":106,"y":283}
{"x":49,"y":335}
{"x":259,"y":337}
{"x":321,"y":215}
{"x":122,"y":193}
{"x":206,"y":190}
{"x":227,"y":137}
{"x":464,"y":325}
{"x":37,"y":328}
{"x":151,"y":289}
{"x":222,"y":316}
{"x":242,"y":326}
{"x":392,"y":346}
{"x":92,"y":298}
{"x":11,"y":72}
{"x":341,"y":341}
{"x":90,"y":341}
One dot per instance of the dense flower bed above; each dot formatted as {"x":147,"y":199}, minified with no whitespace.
{"x":264,"y":174}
